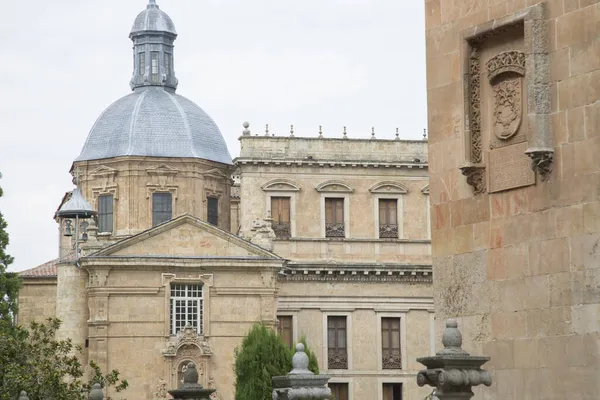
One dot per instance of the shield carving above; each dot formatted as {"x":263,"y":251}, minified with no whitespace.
{"x":505,"y":72}
{"x":507,"y":108}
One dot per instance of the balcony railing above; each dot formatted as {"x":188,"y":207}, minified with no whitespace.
{"x":335,"y":230}
{"x":391,"y":361}
{"x":388,"y":231}
{"x":282,"y":230}
{"x":337,"y":359}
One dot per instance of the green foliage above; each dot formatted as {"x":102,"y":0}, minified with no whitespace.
{"x":313,"y":363}
{"x":261,"y":356}
{"x":9,"y":282}
{"x":46,"y":368}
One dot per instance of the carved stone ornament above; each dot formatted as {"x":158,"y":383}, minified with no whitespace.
{"x":505,"y":72}
{"x":541,"y":162}
{"x":475,"y":177}
{"x":186,"y":337}
{"x":161,"y":390}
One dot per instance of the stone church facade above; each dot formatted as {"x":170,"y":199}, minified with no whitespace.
{"x":326,"y":238}
{"x":514,"y":111}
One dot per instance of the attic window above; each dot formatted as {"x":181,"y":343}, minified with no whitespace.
{"x":162,"y":208}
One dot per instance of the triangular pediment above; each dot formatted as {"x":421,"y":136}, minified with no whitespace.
{"x":186,"y":236}
{"x":162,"y":169}
{"x":216,"y":173}
{"x":103,"y":170}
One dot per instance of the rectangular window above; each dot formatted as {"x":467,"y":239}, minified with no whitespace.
{"x":162,"y":208}
{"x":390,"y":343}
{"x":337,"y":352}
{"x":142,"y":63}
{"x":392,"y":391}
{"x":334,"y":217}
{"x":105,"y":213}
{"x":186,"y":307}
{"x":286,"y":327}
{"x":212,"y":211}
{"x":339,"y":391}
{"x":154,"y":66}
{"x":280,"y":212}
{"x":388,"y":218}
{"x":167,"y":63}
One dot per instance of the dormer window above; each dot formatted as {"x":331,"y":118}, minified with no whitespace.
{"x":154,"y":66}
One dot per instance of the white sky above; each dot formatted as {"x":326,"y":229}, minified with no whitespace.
{"x":335,"y":63}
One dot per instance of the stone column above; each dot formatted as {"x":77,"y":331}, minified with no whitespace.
{"x":300,"y":383}
{"x":452,"y":371}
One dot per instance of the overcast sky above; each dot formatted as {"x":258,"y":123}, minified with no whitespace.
{"x":335,"y":63}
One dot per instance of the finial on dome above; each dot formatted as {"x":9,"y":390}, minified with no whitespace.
{"x":152,"y":3}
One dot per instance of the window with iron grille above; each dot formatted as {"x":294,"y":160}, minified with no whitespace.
{"x":162,"y":208}
{"x":334,"y":217}
{"x":186,"y":307}
{"x":105,"y":213}
{"x":212,"y":211}
{"x":142,"y":63}
{"x":280,"y":212}
{"x":154,"y":66}
{"x":392,"y":391}
{"x":391,"y":357}
{"x":339,"y":391}
{"x":388,"y":218}
{"x":337,"y":351}
{"x":286,"y":327}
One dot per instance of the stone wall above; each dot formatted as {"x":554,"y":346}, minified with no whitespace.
{"x":37,"y":300}
{"x":515,"y":251}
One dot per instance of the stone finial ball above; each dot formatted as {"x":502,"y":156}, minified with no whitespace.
{"x":96,"y":392}
{"x":300,"y":361}
{"x":300,"y":347}
{"x":451,"y":323}
{"x":246,"y":124}
{"x":190,"y":375}
{"x":452,"y":336}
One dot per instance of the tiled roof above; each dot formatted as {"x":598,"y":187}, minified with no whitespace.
{"x":46,"y":270}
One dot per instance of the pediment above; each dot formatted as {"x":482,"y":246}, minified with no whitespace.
{"x":216,"y":173}
{"x":389,"y":187}
{"x":103,"y":170}
{"x":280,"y":185}
{"x":186,"y":236}
{"x":162,"y":169}
{"x":335,"y":186}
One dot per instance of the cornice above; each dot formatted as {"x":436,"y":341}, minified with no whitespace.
{"x":328,"y":163}
{"x":357,"y":273}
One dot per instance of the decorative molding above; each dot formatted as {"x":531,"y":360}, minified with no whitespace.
{"x":369,"y":273}
{"x":187,"y":337}
{"x":97,"y":277}
{"x":389,"y":187}
{"x":280,"y":185}
{"x":507,"y":61}
{"x":161,"y":180}
{"x":475,"y":177}
{"x":108,"y":184}
{"x":331,"y":163}
{"x":216,"y":174}
{"x":334,"y":186}
{"x":541,"y":162}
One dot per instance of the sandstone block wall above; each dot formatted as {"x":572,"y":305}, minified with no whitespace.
{"x":520,"y":268}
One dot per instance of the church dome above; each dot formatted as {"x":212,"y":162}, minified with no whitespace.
{"x":154,"y":122}
{"x":153,"y":19}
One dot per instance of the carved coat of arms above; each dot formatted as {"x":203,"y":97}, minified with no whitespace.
{"x":505,"y":73}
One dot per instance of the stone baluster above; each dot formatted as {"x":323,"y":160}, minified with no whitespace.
{"x":96,"y":393}
{"x":300,"y":383}
{"x":452,"y":371}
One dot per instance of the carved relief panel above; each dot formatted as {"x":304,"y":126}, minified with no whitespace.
{"x":506,"y":102}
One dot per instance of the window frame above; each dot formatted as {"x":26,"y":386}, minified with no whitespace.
{"x":294,"y":332}
{"x":339,"y":383}
{"x":282,"y":188}
{"x":168,"y":62}
{"x":405,"y":381}
{"x":403,"y":356}
{"x":399,"y":209}
{"x":152,"y":206}
{"x":336,"y":195}
{"x":270,"y":212}
{"x":142,"y":63}
{"x":390,"y":334}
{"x":207,"y":282}
{"x":208,"y":213}
{"x":112,"y":213}
{"x":347,"y":381}
{"x":200,"y":316}
{"x":325,"y":345}
{"x":155,"y":76}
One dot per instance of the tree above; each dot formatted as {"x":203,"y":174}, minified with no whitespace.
{"x":34,"y":361}
{"x":9,"y":282}
{"x":261,"y":356}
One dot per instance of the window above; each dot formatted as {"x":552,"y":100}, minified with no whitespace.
{"x":334,"y":217}
{"x":105,"y":213}
{"x":286,"y":326}
{"x":339,"y":391}
{"x":167,"y":63}
{"x":337,"y":353}
{"x":162,"y":208}
{"x":390,"y":343}
{"x":154,"y":66}
{"x":186,"y":307}
{"x":142,"y":63}
{"x":388,"y":218}
{"x":392,"y":391}
{"x":280,"y":212}
{"x":212,"y":211}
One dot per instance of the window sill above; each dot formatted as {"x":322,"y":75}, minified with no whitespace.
{"x":339,"y":239}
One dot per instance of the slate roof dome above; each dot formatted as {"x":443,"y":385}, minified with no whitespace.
{"x":153,"y":19}
{"x":154,"y":121}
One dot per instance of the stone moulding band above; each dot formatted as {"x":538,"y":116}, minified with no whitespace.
{"x":533,"y":64}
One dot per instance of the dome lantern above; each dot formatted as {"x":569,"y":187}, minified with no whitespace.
{"x":153,"y":34}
